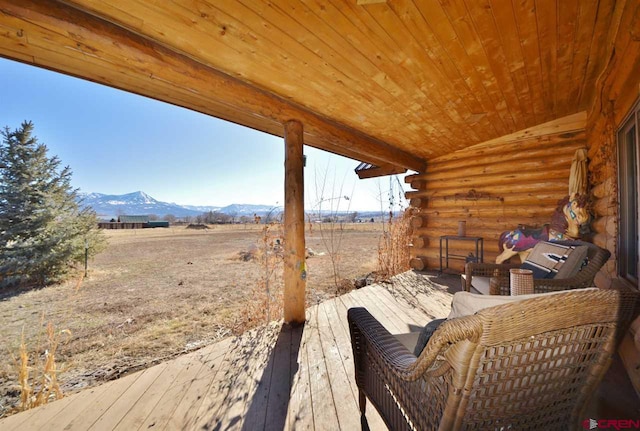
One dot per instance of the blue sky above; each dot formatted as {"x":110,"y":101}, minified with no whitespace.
{"x":116,"y":142}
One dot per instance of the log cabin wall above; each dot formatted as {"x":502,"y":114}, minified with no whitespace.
{"x":618,"y":90}
{"x":492,"y":188}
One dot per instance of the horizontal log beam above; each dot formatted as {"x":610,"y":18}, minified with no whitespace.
{"x":56,"y":36}
{"x":497,"y":212}
{"x":568,"y":124}
{"x":545,"y":199}
{"x":529,"y":163}
{"x":525,"y":187}
{"x":379,"y":171}
{"x":476,"y":227}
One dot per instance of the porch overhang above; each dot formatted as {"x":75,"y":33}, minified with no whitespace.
{"x":388,"y":83}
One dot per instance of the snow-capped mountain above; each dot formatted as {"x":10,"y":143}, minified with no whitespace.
{"x":140,"y":203}
{"x":136,"y":203}
{"x":201,"y":208}
{"x":249,"y":210}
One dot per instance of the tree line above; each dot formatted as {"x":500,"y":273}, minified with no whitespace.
{"x":217,"y":217}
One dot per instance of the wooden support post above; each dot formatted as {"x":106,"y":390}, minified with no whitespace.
{"x":295,"y":268}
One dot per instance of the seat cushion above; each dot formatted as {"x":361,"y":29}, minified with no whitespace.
{"x":416,"y":341}
{"x":479,"y":284}
{"x":408,"y":340}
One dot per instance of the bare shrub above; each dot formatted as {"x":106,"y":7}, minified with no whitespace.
{"x":198,"y":226}
{"x":265,"y":300}
{"x":393,"y":247}
{"x":328,"y":207}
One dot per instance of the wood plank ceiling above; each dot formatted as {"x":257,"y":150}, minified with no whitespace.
{"x":389,"y":83}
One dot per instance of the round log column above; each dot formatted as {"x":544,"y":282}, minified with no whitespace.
{"x":295,"y":268}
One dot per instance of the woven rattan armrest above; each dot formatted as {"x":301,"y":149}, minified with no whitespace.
{"x":395,"y":381}
{"x":500,"y":285}
{"x":368,"y":333}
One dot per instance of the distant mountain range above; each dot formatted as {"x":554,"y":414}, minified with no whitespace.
{"x":140,"y":203}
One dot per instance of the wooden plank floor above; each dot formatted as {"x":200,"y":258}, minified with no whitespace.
{"x":274,"y":378}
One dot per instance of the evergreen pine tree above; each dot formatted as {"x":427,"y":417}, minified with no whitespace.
{"x":42,"y":228}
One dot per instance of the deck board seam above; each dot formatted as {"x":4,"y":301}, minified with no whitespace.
{"x":166,"y":364}
{"x":116,"y":384}
{"x":306,"y":347}
{"x":340,"y":352}
{"x":324,"y":359}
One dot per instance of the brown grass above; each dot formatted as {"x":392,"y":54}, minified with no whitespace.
{"x":157,"y":293}
{"x":38,"y":378}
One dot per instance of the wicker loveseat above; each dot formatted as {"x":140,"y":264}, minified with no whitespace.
{"x":531,"y":364}
{"x":596,"y":258}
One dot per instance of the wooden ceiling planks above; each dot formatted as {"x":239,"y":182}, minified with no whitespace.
{"x":432,"y":26}
{"x":467,"y":34}
{"x":85,"y":48}
{"x":506,"y":27}
{"x":597,"y":54}
{"x":587,"y":14}
{"x":567,"y":29}
{"x":484,"y":22}
{"x":547,"y":28}
{"x":392,"y":65}
{"x":441,"y":72}
{"x":425,"y":77}
{"x":308,"y":45}
{"x":423,"y":68}
{"x":248,"y":43}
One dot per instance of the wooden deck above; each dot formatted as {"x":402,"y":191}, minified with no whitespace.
{"x":275,"y":377}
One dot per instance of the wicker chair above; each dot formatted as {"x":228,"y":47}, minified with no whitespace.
{"x":499,"y":273}
{"x":531,"y":364}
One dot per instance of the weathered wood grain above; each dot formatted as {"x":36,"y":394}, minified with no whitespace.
{"x":295,"y":266}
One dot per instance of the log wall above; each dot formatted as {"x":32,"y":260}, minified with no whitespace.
{"x":492,"y":188}
{"x":618,"y":90}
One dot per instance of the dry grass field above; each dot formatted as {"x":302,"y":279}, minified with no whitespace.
{"x":156,"y":293}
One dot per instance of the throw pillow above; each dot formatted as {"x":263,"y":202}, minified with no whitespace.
{"x":573,"y":263}
{"x":547,"y":258}
{"x":426,"y":334}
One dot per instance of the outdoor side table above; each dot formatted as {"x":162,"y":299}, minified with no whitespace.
{"x":479,"y":246}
